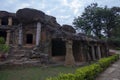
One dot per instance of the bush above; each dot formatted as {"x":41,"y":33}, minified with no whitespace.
{"x":105,"y":62}
{"x":61,"y":76}
{"x":3,"y":47}
{"x":88,"y":72}
{"x":84,"y":73}
{"x":2,"y":40}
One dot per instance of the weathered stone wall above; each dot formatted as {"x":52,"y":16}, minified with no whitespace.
{"x":29,"y":29}
{"x":44,"y":28}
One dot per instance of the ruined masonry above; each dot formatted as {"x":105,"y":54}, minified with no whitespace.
{"x":35,"y":37}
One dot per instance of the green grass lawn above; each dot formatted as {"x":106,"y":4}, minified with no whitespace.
{"x":33,"y":73}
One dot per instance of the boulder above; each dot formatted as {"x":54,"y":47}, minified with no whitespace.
{"x":28,"y":15}
{"x":68,"y":28}
{"x":51,"y":21}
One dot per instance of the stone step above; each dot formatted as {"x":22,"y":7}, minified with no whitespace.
{"x":20,"y":51}
{"x":24,"y":61}
{"x":18,"y":55}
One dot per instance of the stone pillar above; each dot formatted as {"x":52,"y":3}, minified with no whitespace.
{"x":10,"y":21}
{"x":99,"y":52}
{"x":93,"y":52}
{"x":106,"y":49}
{"x":102,"y":53}
{"x":38,"y":33}
{"x":8,"y":37}
{"x":0,"y":21}
{"x":20,"y":35}
{"x":69,"y":58}
{"x":82,"y":53}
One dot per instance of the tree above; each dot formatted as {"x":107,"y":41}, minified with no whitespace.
{"x":97,"y":21}
{"x":89,"y":22}
{"x":115,"y":33}
{"x":116,"y":30}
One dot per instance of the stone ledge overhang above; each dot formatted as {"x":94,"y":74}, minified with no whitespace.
{"x":7,"y":27}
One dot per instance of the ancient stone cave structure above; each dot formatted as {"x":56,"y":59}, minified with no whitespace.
{"x":31,"y":34}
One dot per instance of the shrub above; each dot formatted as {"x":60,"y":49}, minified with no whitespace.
{"x":3,"y":47}
{"x":2,"y":40}
{"x":88,"y":72}
{"x":105,"y":62}
{"x":84,"y":73}
{"x":61,"y":76}
{"x":116,"y":57}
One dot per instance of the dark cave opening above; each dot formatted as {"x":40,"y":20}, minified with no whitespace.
{"x":58,"y":47}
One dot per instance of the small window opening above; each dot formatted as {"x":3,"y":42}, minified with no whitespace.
{"x":4,"y":21}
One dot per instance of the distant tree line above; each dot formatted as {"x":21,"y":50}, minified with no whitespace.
{"x":102,"y":22}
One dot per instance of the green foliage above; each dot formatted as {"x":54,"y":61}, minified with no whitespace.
{"x":2,"y":40}
{"x":3,"y":47}
{"x":84,"y":73}
{"x":61,"y":76}
{"x":99,"y":21}
{"x":117,"y":48}
{"x":88,"y":72}
{"x":105,"y":62}
{"x":114,"y":41}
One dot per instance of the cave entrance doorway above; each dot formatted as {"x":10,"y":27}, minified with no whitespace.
{"x":58,"y":49}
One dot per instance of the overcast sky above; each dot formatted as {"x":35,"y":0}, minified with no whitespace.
{"x":64,"y":10}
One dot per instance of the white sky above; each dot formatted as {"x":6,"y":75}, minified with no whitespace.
{"x":64,"y":10}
